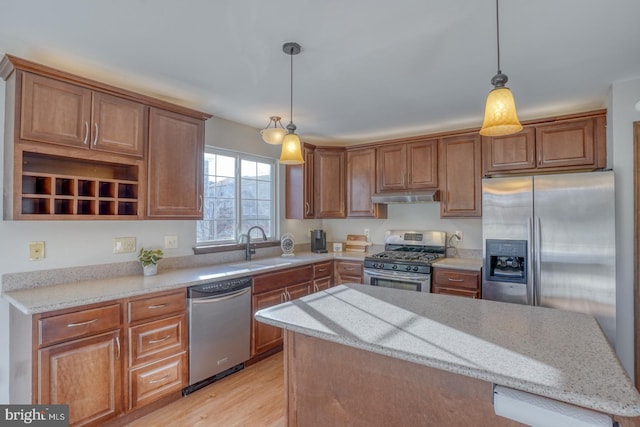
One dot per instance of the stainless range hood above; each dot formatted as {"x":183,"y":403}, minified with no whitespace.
{"x":406,"y":197}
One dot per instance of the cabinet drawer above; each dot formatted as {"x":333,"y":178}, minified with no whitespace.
{"x":349,"y":268}
{"x":322,"y":269}
{"x":157,"y":339}
{"x":469,"y":293}
{"x":77,"y":324}
{"x":456,"y":278}
{"x":155,"y":306}
{"x":282,"y":279}
{"x":154,"y":381}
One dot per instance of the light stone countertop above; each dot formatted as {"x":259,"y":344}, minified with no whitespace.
{"x":472,"y":264}
{"x":548,"y":352}
{"x":67,"y":295}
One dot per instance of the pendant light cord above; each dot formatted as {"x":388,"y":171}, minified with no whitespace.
{"x":498,"y":36}
{"x":291,"y":88}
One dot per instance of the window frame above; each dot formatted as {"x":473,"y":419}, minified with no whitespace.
{"x":275,"y":205}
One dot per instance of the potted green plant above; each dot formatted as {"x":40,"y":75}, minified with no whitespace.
{"x":149,"y":259}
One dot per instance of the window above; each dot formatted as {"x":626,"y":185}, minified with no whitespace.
{"x":239,"y":192}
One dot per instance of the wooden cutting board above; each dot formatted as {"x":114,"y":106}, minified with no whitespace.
{"x":356,"y":243}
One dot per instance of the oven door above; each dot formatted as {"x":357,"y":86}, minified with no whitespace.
{"x":398,"y":280}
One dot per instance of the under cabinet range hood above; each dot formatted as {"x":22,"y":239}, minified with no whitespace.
{"x":406,"y":197}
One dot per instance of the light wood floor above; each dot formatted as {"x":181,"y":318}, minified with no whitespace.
{"x":253,"y":397}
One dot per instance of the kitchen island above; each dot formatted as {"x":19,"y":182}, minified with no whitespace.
{"x":362,"y":355}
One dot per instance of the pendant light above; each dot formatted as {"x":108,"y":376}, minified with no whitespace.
{"x":500,"y":116}
{"x":291,"y":153}
{"x":273,"y":135}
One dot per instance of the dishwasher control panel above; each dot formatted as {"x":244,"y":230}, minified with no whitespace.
{"x":219,"y":287}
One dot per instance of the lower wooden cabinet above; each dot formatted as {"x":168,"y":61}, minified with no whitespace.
{"x":86,"y":374}
{"x":270,"y":289}
{"x":155,"y":380}
{"x":456,"y":282}
{"x":322,"y":276}
{"x":348,"y":272}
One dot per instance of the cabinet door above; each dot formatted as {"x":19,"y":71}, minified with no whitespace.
{"x":86,"y":374}
{"x":422,"y":158}
{"x":55,"y":112}
{"x":361,"y":184}
{"x":265,"y":337}
{"x":509,"y":152}
{"x":321,"y":284}
{"x":566,"y":144}
{"x":119,"y":125}
{"x":298,"y":291}
{"x":299,"y":187}
{"x":460,"y":169}
{"x":392,"y":167}
{"x":176,"y":161}
{"x":330,"y":183}
{"x":348,"y":272}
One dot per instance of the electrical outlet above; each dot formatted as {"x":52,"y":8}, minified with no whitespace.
{"x":123,"y":245}
{"x":367,"y":234}
{"x":171,"y":242}
{"x":36,"y":251}
{"x":458,"y":235}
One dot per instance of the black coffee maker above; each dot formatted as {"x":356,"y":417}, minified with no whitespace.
{"x":318,"y":241}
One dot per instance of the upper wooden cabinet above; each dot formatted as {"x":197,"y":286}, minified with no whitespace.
{"x":461,"y":185}
{"x":62,"y":113}
{"x":330,"y":183}
{"x":176,"y":162}
{"x":566,"y":143}
{"x":76,"y":148}
{"x":299,"y":187}
{"x":361,"y":184}
{"x":408,"y":166}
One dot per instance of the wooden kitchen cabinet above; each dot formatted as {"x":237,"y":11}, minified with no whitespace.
{"x":270,"y":289}
{"x":157,"y":347}
{"x":408,"y":166}
{"x":461,"y":176}
{"x":456,"y":282}
{"x":347,"y":271}
{"x":322,"y":276}
{"x":576,"y":142}
{"x":299,"y":187}
{"x":175,"y":168}
{"x":80,"y":361}
{"x":329,"y":183}
{"x":56,"y":112}
{"x":361,"y":184}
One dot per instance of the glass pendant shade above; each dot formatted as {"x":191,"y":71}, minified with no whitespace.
{"x":275,"y":134}
{"x":500,"y":116}
{"x":291,"y":153}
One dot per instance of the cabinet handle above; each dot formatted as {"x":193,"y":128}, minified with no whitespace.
{"x":153,"y":307}
{"x":288,"y":295}
{"x":118,"y":348}
{"x":322,"y":270}
{"x":159,"y":340}
{"x":316,"y":288}
{"x":86,"y":133}
{"x":349,"y":268}
{"x":95,"y":138}
{"x":455,"y":280}
{"x":159,"y":380}
{"x":73,"y":325}
{"x":200,"y":204}
{"x":283,"y":297}
{"x":307,"y":208}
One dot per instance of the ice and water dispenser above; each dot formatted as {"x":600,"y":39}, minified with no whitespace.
{"x":506,"y":261}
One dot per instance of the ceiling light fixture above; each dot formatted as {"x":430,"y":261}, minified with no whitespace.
{"x":291,"y":153}
{"x":500,"y":116}
{"x":275,"y":134}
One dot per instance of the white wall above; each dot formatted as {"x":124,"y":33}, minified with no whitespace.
{"x":622,"y":113}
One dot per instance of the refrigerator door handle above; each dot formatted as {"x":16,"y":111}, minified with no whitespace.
{"x":538,"y":272}
{"x":531,"y":281}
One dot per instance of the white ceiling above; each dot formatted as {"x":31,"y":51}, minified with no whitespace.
{"x":369,"y":70}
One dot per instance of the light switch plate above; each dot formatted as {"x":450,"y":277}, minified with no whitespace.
{"x":36,"y":251}
{"x":170,"y":242}
{"x":123,"y":245}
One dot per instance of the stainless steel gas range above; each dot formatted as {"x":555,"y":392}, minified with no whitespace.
{"x":406,"y":260}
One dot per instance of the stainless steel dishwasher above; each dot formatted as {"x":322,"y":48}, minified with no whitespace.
{"x":219,"y":330}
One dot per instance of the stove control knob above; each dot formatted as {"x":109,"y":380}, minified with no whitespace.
{"x":408,"y":268}
{"x":374,"y":265}
{"x":415,"y":268}
{"x":395,"y":267}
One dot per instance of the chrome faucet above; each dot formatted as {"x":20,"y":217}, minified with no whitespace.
{"x":249,"y":250}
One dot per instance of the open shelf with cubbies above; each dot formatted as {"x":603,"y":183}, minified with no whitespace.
{"x":54,"y":187}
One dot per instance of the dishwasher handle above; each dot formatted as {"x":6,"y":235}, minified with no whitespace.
{"x":217,"y":298}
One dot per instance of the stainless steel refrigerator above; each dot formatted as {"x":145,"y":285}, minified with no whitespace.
{"x":549,"y":240}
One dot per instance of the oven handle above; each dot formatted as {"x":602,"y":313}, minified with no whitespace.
{"x":395,"y":274}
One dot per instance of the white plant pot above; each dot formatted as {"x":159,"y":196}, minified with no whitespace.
{"x":150,"y":270}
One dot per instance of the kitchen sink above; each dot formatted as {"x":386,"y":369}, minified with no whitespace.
{"x":261,"y":264}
